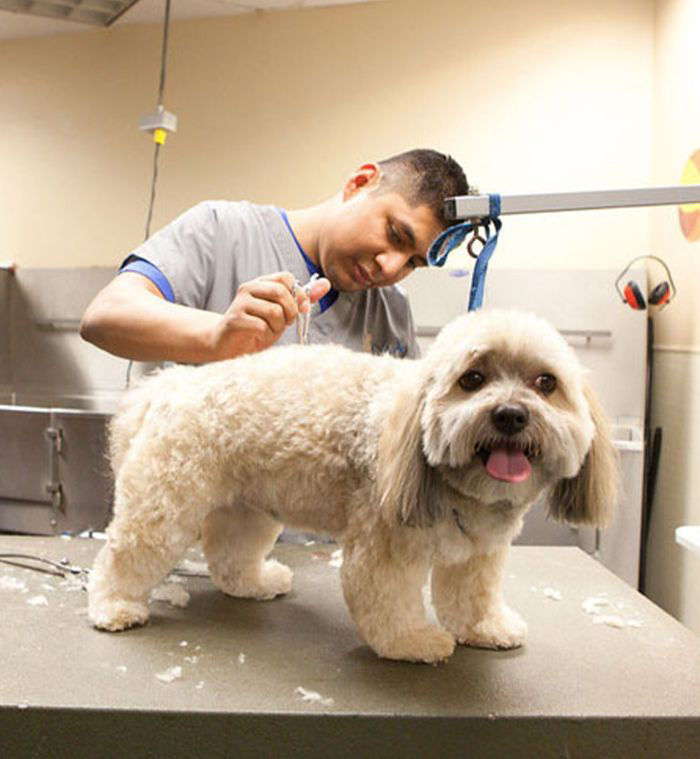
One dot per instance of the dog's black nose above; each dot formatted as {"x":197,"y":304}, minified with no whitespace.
{"x":509,"y":418}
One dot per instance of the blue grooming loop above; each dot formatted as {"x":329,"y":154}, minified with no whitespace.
{"x":453,"y":236}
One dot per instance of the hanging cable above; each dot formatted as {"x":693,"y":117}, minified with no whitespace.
{"x":154,"y":180}
{"x":159,"y":124}
{"x":164,"y":52}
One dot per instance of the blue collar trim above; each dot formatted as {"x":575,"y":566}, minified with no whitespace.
{"x":332,"y":295}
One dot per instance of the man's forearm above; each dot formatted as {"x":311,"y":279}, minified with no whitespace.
{"x":130,"y":318}
{"x":148,"y":328}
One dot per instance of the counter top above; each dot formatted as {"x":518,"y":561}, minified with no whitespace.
{"x":603,"y":672}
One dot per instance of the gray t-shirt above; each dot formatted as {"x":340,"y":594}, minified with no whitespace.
{"x":207,"y":252}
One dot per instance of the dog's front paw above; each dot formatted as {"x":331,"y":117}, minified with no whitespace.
{"x":501,"y":630}
{"x":430,"y":645}
{"x":115,"y":616}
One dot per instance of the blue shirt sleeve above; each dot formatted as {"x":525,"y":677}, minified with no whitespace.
{"x":152,"y":272}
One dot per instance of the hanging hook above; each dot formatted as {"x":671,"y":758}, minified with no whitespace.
{"x":476,"y":237}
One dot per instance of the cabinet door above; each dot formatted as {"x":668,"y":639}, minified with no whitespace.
{"x":24,"y":454}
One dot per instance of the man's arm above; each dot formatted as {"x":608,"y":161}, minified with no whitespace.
{"x":131,"y":318}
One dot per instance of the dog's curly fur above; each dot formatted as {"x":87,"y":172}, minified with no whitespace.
{"x":387,"y":456}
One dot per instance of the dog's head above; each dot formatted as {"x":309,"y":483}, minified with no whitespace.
{"x":501,"y":411}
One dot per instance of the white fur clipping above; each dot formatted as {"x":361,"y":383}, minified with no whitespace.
{"x":170,"y":675}
{"x":312,"y":697}
{"x":171,"y":593}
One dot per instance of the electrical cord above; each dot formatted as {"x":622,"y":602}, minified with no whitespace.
{"x":156,"y":154}
{"x":164,"y":52}
{"x":158,"y":142}
{"x":161,"y":90}
{"x":63,"y":567}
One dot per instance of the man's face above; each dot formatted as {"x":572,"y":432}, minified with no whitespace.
{"x":375,"y":239}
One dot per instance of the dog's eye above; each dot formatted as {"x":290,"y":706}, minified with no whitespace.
{"x":471,"y":381}
{"x":546,"y":384}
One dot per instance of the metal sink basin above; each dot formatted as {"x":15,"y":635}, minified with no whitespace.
{"x":57,"y":394}
{"x":54,"y":474}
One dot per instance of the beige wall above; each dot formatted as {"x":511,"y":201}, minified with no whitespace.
{"x":673,"y":576}
{"x":279,"y":107}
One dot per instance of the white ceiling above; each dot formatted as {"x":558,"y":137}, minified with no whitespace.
{"x":15,"y":25}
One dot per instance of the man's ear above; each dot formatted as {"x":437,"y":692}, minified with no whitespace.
{"x":366,"y":176}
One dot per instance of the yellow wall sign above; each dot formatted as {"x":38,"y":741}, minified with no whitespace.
{"x":689,"y":213}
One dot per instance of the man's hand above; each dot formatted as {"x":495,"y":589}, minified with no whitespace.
{"x":261,"y":311}
{"x":131,"y":318}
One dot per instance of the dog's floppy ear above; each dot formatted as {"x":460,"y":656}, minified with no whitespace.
{"x":590,"y":497}
{"x":408,"y":486}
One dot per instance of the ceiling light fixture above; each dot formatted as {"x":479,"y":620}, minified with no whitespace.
{"x":94,"y":12}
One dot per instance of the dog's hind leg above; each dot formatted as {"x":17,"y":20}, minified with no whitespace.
{"x":236,"y":542}
{"x":140,"y":551}
{"x":468,"y":602}
{"x":384,"y":595}
{"x":142,"y":546}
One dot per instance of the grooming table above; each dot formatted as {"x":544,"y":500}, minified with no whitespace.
{"x":604,"y":672}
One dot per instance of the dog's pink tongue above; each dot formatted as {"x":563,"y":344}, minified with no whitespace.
{"x":508,"y":464}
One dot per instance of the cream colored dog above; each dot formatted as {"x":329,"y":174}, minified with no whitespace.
{"x":411,"y":465}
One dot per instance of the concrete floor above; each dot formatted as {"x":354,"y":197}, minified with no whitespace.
{"x":604,"y":671}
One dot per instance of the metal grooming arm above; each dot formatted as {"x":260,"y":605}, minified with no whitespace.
{"x":477,"y":206}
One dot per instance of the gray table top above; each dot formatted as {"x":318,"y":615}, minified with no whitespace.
{"x":596,"y":649}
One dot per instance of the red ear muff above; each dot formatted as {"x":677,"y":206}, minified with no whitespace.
{"x":660,"y":295}
{"x":633,"y":296}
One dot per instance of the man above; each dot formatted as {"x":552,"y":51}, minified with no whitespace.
{"x":218,"y":281}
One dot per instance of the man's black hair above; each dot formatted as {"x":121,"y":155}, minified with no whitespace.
{"x":424,"y":177}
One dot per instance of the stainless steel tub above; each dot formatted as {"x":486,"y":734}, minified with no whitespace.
{"x":57,"y":394}
{"x":54,"y":474}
